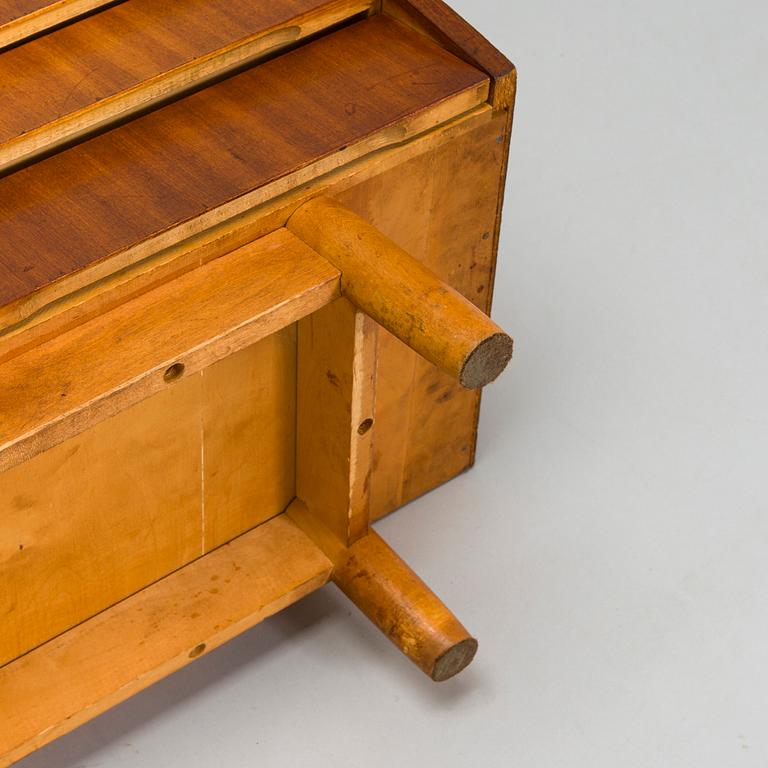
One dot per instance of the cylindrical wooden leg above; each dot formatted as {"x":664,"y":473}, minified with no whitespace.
{"x":403,"y":296}
{"x":404,"y":608}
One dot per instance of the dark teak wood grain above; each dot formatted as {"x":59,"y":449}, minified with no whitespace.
{"x":74,"y":209}
{"x":137,"y":53}
{"x":442,"y":23}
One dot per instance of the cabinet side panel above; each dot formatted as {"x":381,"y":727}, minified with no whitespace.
{"x":443,"y":208}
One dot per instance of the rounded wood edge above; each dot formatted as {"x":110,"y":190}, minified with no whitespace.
{"x":404,"y":608}
{"x":486,"y":361}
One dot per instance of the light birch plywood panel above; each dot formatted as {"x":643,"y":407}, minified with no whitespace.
{"x":445,"y":213}
{"x":102,"y":515}
{"x":249,"y":416}
{"x":98,"y":517}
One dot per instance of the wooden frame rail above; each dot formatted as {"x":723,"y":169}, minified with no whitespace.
{"x":63,"y":386}
{"x":82,"y":673}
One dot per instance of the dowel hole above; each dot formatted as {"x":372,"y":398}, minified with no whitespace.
{"x":364,"y":426}
{"x":174,"y":372}
{"x":198,"y":650}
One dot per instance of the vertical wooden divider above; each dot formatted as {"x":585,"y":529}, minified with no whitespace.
{"x":336,"y":379}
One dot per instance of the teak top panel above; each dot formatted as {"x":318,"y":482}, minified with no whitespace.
{"x":76,"y":208}
{"x":21,"y":19}
{"x":81,"y":64}
{"x":14,"y":9}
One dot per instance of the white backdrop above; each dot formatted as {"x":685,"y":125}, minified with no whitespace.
{"x":609,"y":549}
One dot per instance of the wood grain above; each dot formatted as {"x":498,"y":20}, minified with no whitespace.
{"x":62,"y":387}
{"x":249,"y":436}
{"x":240,"y":404}
{"x":403,"y":295}
{"x":94,"y":519}
{"x":440,"y":22}
{"x":192,"y":164}
{"x":99,"y":517}
{"x":445,"y":214}
{"x":137,"y":53}
{"x":104,"y":661}
{"x":272,"y":207}
{"x":404,"y":608}
{"x":336,"y":376}
{"x":20,"y":19}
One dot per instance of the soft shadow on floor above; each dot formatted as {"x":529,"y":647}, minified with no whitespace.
{"x":76,"y":749}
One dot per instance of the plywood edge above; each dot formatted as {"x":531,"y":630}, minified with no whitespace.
{"x":91,"y":668}
{"x":441,"y":23}
{"x":46,"y":17}
{"x":62,"y":387}
{"x":176,"y":82}
{"x":504,"y":138}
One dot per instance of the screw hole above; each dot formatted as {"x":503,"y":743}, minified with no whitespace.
{"x":364,"y":426}
{"x":173,"y":373}
{"x":198,"y":650}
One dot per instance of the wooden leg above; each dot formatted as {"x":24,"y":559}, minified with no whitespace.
{"x":404,"y":608}
{"x":336,"y":367}
{"x":403,"y":296}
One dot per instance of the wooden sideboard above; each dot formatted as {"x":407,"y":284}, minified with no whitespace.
{"x":246,"y":266}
